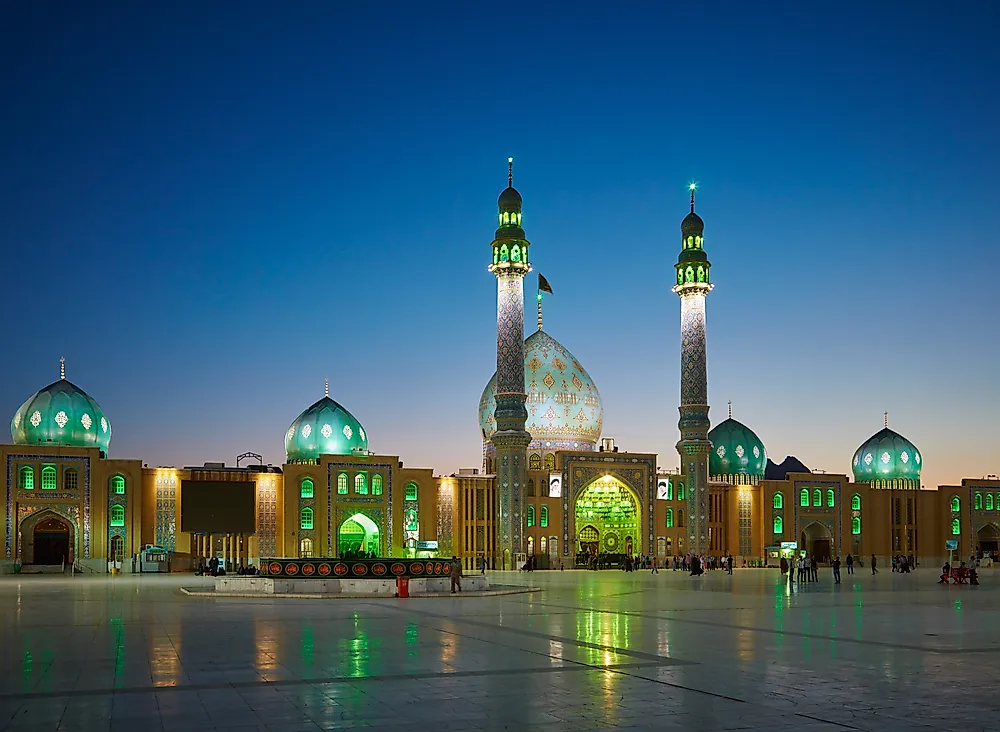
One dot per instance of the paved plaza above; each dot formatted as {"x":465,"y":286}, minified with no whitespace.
{"x":590,"y":651}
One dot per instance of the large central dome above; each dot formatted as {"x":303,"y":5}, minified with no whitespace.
{"x":61,"y":414}
{"x":325,"y":428}
{"x":564,"y":406}
{"x":887,"y":460}
{"x":738,"y":455}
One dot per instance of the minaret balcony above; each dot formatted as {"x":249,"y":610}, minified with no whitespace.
{"x":692,"y":288}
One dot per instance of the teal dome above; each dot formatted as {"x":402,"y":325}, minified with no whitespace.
{"x":564,"y":406}
{"x":61,"y":414}
{"x":736,"y":451}
{"x":325,"y":428}
{"x":888,"y":460}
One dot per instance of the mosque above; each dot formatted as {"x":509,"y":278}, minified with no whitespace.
{"x":551,"y":485}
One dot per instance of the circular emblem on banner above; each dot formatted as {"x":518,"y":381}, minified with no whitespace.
{"x":324,"y":569}
{"x":340,"y":569}
{"x":308,"y":569}
{"x":378,"y":569}
{"x":417,"y":568}
{"x":437,"y":568}
{"x":291,"y":568}
{"x":360,"y":569}
{"x":398,"y":568}
{"x":274,"y":568}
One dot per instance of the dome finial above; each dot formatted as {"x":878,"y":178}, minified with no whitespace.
{"x":510,"y":172}
{"x":62,"y":367}
{"x":885,"y":419}
{"x":326,"y":386}
{"x":730,"y":409}
{"x":692,"y":186}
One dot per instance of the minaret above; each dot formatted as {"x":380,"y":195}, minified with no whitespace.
{"x":510,"y":265}
{"x":693,"y":284}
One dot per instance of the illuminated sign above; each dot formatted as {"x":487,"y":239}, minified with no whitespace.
{"x":789,"y":545}
{"x":951,"y":544}
{"x":427,"y":546}
{"x":555,"y":485}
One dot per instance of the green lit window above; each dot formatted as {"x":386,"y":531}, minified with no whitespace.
{"x":545,"y":517}
{"x":411,"y":491}
{"x":377,"y":484}
{"x":550,"y":461}
{"x":779,"y":525}
{"x":306,"y":518}
{"x":48,"y":477}
{"x":670,"y":518}
{"x":534,"y":461}
{"x":531,"y":516}
{"x":977,"y":502}
{"x":856,"y":525}
{"x":307,"y":489}
{"x":410,"y":520}
{"x":804,"y":498}
{"x":779,"y":500}
{"x":956,"y":504}
{"x":342,"y":484}
{"x":681,"y":495}
{"x":989,"y":501}
{"x":817,"y":498}
{"x":361,"y":484}
{"x":831,"y":498}
{"x":504,"y":256}
{"x":680,"y":518}
{"x":117,"y":515}
{"x":26,"y":478}
{"x":670,"y":490}
{"x":855,"y":502}
{"x":71,"y":479}
{"x":515,"y":253}
{"x":956,"y":527}
{"x":118,"y":485}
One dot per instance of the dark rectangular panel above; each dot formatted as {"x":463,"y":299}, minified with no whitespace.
{"x":218,"y":507}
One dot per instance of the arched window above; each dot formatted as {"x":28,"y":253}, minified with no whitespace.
{"x":977,"y":503}
{"x":680,"y":518}
{"x":542,"y":545}
{"x":856,"y":525}
{"x":779,"y":500}
{"x":817,"y":498}
{"x":779,"y":525}
{"x":681,"y":495}
{"x":48,"y":477}
{"x":306,"y":518}
{"x":545,"y":518}
{"x":118,"y":515}
{"x":670,"y":518}
{"x":831,"y":498}
{"x":531,"y":516}
{"x":531,"y":486}
{"x":307,"y":489}
{"x":989,"y":501}
{"x":855,"y":502}
{"x":804,"y":498}
{"x":71,"y":479}
{"x":956,"y":504}
{"x":411,"y":491}
{"x":550,"y":461}
{"x":342,"y":484}
{"x":26,"y":478}
{"x":670,"y":490}
{"x":116,"y":550}
{"x":956,"y":527}
{"x":361,"y":484}
{"x":118,"y":485}
{"x":531,"y":546}
{"x":377,"y":484}
{"x":306,"y":548}
{"x":535,"y":461}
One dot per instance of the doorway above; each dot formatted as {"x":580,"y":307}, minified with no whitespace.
{"x":51,"y":542}
{"x":817,"y":540}
{"x":988,"y":538}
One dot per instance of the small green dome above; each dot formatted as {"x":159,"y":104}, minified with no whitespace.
{"x":736,"y":451}
{"x":325,"y":428}
{"x":887,"y":459}
{"x":692,"y":224}
{"x":61,"y":414}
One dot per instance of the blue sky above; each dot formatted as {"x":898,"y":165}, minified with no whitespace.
{"x":208,"y":209}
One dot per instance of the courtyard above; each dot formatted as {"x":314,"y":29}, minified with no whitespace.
{"x":592,"y":650}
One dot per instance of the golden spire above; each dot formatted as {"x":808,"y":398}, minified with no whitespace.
{"x":510,"y":172}
{"x":885,"y":419}
{"x":539,"y":311}
{"x":326,"y":387}
{"x":692,"y":187}
{"x":730,"y":409}
{"x":62,"y":367}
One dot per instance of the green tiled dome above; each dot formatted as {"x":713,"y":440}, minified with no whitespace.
{"x":61,"y":414}
{"x":888,"y":459}
{"x":736,"y":451}
{"x":325,"y":428}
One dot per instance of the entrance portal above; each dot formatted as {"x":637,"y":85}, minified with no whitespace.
{"x":607,"y":514}
{"x":817,"y":540}
{"x":51,"y":542}
{"x":988,"y":538}
{"x":358,"y":534}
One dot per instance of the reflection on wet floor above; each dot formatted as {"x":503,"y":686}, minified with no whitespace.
{"x":594,"y":650}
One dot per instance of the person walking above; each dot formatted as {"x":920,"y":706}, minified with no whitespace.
{"x":482,"y":566}
{"x":791,"y":571}
{"x":850,"y":564}
{"x":836,"y":570}
{"x":874,"y":562}
{"x":815,"y":569}
{"x":455,"y":572}
{"x":729,"y":563}
{"x":653,"y":564}
{"x":784,"y":567}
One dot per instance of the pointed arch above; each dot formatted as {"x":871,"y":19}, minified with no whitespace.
{"x":779,"y":500}
{"x":26,"y":478}
{"x":804,"y":498}
{"x":670,"y":518}
{"x":956,"y":504}
{"x":306,"y":519}
{"x":855,"y":502}
{"x":779,"y":525}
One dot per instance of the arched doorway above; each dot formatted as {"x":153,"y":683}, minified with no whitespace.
{"x":358,"y":533}
{"x":817,"y":539}
{"x":988,"y":539}
{"x":608,"y":518}
{"x":51,"y":541}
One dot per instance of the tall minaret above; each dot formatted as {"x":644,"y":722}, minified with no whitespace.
{"x":510,"y":265}
{"x":693,"y":284}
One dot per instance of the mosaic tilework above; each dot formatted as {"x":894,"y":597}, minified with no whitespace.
{"x":385,"y":525}
{"x":9,"y":523}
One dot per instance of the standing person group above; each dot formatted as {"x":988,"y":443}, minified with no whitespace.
{"x":806,"y":567}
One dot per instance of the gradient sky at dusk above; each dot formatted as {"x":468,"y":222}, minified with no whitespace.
{"x":208,"y":208}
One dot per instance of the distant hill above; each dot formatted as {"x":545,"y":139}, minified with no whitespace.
{"x":780,"y":472}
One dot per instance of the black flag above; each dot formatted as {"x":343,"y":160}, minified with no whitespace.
{"x":543,"y":284}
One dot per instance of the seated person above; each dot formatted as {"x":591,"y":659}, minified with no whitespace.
{"x":945,"y":572}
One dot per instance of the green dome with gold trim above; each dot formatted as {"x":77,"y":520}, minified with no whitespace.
{"x":736,"y":452}
{"x":61,"y":414}
{"x":325,"y":428}
{"x":888,"y":460}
